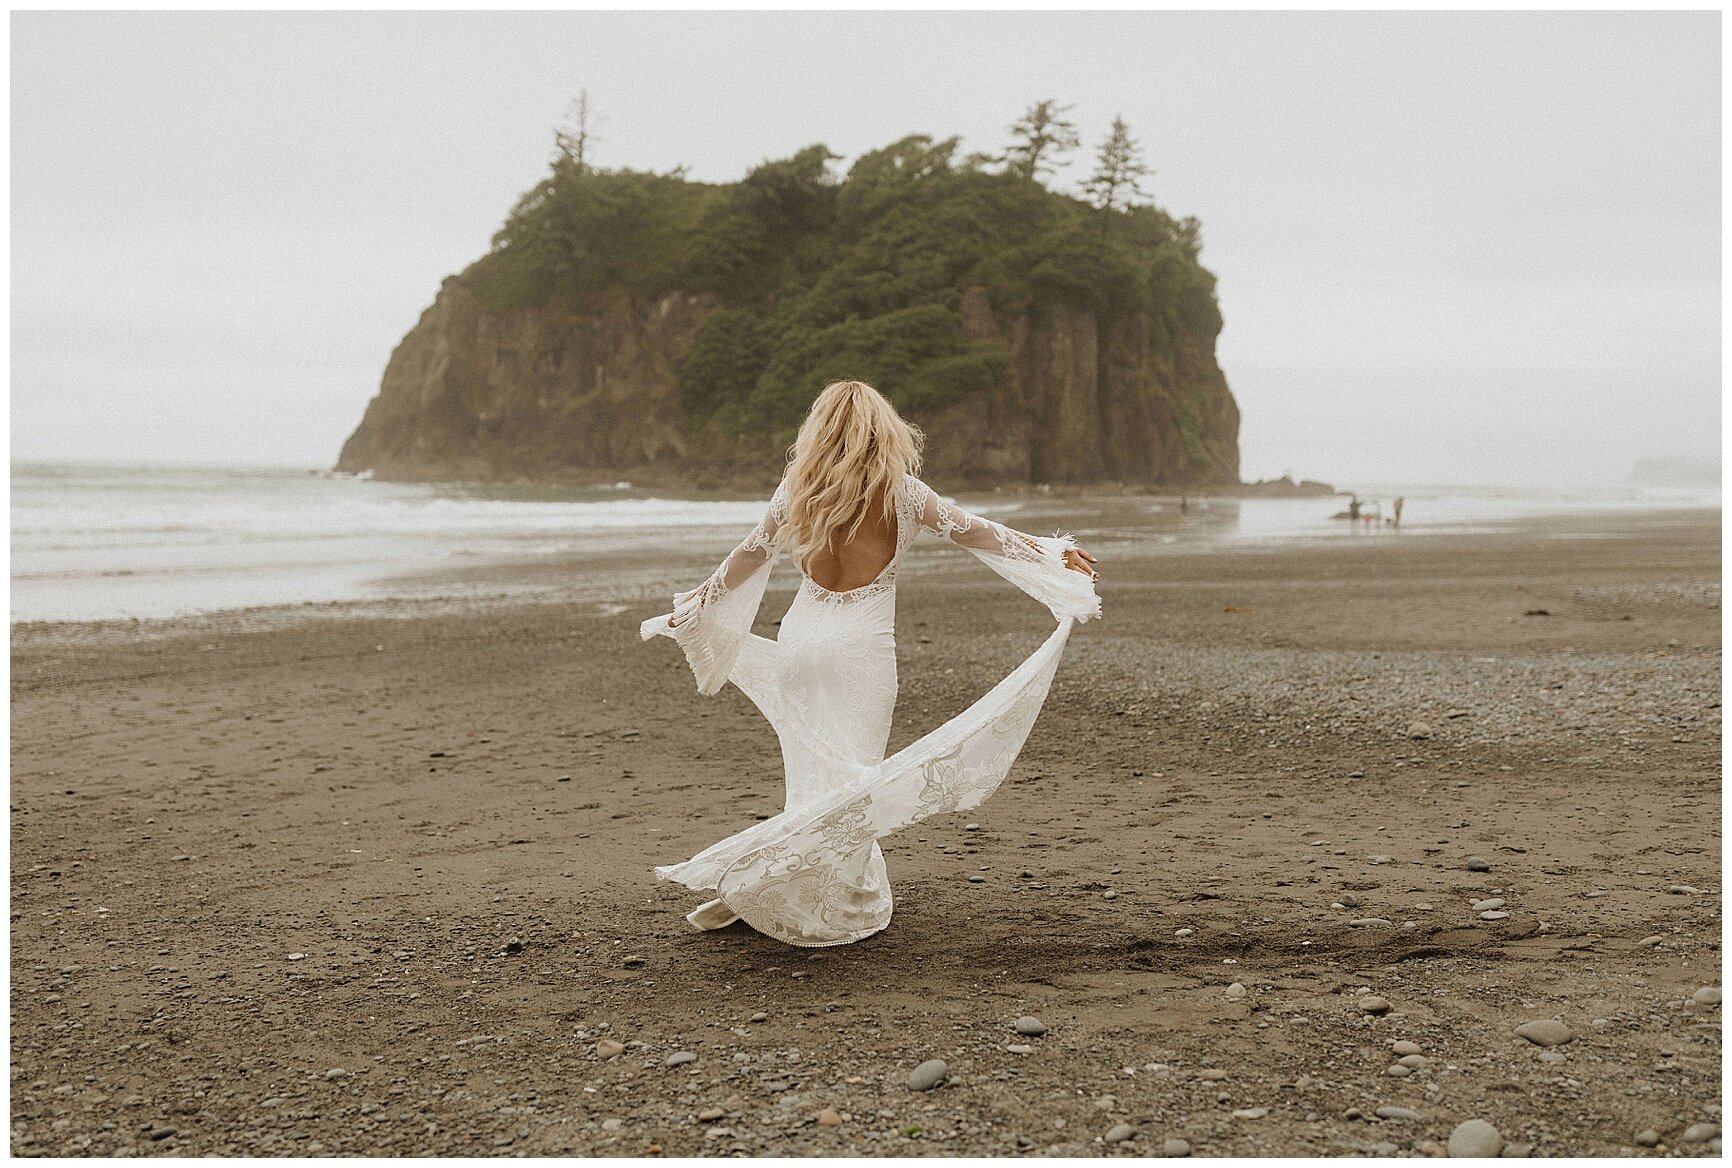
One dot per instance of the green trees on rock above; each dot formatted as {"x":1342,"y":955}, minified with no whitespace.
{"x":821,"y":275}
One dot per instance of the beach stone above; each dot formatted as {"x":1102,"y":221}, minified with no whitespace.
{"x":1211,"y":1074}
{"x":1412,"y":1060}
{"x":1250,"y":1113}
{"x":1175,"y":1147}
{"x":633,"y":962}
{"x":1019,"y":1048}
{"x":1402,"y":1046}
{"x":1372,"y":1004}
{"x":1474,"y":1137}
{"x":1700,"y":1133}
{"x":977,"y":880}
{"x":1494,"y":915}
{"x":1552,"y":1056}
{"x":928,"y":1075}
{"x":1119,"y":1133}
{"x":1706,"y":996}
{"x":1031,"y":1026}
{"x":1236,"y":991}
{"x":336,"y":1073}
{"x":1397,"y":1071}
{"x":710,"y":1114}
{"x":1387,"y":1112}
{"x":1545,"y":1032}
{"x":1477,"y":864}
{"x":829,"y":1117}
{"x":609,"y":1048}
{"x":1418,"y":730}
{"x":1380,"y":859}
{"x":760,"y":1016}
{"x":612,"y":1125}
{"x":1488,"y":905}
{"x":1516,"y":1151}
{"x":1680,"y":890}
{"x":1370,"y":922}
{"x":1648,"y":1138}
{"x":680,"y":1058}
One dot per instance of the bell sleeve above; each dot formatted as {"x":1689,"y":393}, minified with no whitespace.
{"x":712,"y":621}
{"x":1034,"y":563}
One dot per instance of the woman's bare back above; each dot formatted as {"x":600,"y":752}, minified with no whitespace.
{"x":860,"y":561}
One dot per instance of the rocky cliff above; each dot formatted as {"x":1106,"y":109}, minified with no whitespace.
{"x":636,"y":326}
{"x":585,"y":390}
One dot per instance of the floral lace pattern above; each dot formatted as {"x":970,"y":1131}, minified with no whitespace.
{"x":815,"y":874}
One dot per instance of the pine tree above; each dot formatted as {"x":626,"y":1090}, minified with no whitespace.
{"x":1119,"y":169}
{"x":1042,"y":134}
{"x":573,"y":137}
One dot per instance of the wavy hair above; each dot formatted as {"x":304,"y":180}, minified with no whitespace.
{"x":852,"y":450}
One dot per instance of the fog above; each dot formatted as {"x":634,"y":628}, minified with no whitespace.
{"x":1451,"y":247}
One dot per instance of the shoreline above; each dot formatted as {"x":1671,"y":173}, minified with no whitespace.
{"x":698,"y":551}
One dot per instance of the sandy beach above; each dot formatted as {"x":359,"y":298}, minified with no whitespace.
{"x":376,"y":878}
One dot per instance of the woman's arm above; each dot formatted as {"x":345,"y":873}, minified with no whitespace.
{"x":942,"y":517}
{"x":751,"y":554}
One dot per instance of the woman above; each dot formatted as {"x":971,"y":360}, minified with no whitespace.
{"x":847,"y":509}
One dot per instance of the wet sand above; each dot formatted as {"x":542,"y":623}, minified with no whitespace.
{"x":361,"y":879}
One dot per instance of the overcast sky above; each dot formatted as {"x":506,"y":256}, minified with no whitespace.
{"x":1452,"y":247}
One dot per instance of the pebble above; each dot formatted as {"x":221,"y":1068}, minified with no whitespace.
{"x":1236,"y":991}
{"x":1412,"y":1060}
{"x":1175,"y":1147}
{"x":760,"y":1016}
{"x":1109,"y":894}
{"x":1474,"y":1137}
{"x":1700,"y":1133}
{"x":1706,"y":996}
{"x":1494,"y":915}
{"x":336,"y":1073}
{"x":1487,"y":905}
{"x":1545,"y":1032}
{"x":1477,"y":864}
{"x":1031,"y":1026}
{"x":829,"y":1117}
{"x":1366,"y":922}
{"x":1552,"y":1056}
{"x":1397,"y":1071}
{"x":1374,"y":1005}
{"x":1402,"y":1046}
{"x":1648,"y":1138}
{"x":609,"y":1048}
{"x":1250,"y":1113}
{"x":515,"y":945}
{"x":1380,"y":859}
{"x":612,"y":1124}
{"x":1418,"y":730}
{"x":710,"y":1114}
{"x":1387,"y":1112}
{"x":928,"y":1075}
{"x":977,"y":880}
{"x":1211,"y":1074}
{"x":633,"y":962}
{"x":1680,"y":890}
{"x":1019,"y":1048}
{"x":1119,"y":1133}
{"x":680,"y":1058}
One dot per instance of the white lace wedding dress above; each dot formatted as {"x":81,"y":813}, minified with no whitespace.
{"x":814,"y":875}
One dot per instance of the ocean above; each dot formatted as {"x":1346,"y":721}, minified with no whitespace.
{"x":97,"y":541}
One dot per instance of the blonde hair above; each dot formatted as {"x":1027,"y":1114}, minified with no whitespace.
{"x":853,"y":448}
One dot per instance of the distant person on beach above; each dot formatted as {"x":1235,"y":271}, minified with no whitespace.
{"x":846,"y":510}
{"x":1353,"y":510}
{"x":1398,"y":501}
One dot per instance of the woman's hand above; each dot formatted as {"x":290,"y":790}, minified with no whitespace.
{"x":1078,"y":560}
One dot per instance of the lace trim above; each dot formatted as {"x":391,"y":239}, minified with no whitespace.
{"x":817,"y":591}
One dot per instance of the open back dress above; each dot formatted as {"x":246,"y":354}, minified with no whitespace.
{"x":814,"y":875}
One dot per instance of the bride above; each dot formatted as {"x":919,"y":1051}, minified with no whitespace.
{"x":847,"y":509}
